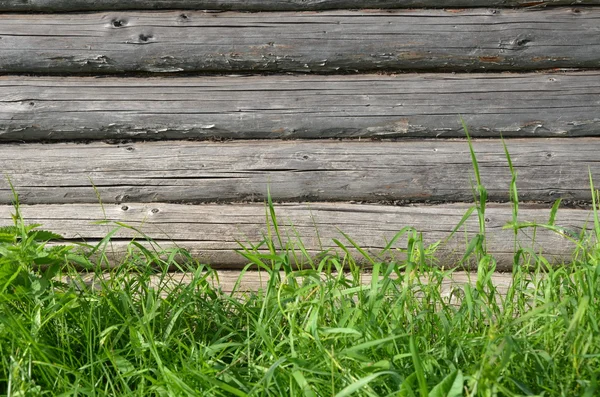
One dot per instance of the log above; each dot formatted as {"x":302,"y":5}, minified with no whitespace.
{"x":257,"y":107}
{"x":195,"y":172}
{"x":264,"y":5}
{"x":309,"y":42}
{"x":239,"y":283}
{"x":213,"y":232}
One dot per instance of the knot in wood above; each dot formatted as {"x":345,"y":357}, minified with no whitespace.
{"x":118,"y":23}
{"x":144,"y":38}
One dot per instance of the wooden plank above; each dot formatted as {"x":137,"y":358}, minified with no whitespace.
{"x":213,"y":232}
{"x":195,"y":172}
{"x":406,"y":105}
{"x":323,"y":42}
{"x":240,"y":282}
{"x":265,"y":5}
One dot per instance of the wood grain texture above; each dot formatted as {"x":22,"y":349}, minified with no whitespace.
{"x":266,"y":5}
{"x":193,"y":172}
{"x":321,"y":42}
{"x":212,"y":232}
{"x":253,"y":107}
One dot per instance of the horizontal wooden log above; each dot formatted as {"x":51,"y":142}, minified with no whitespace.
{"x":193,"y":172}
{"x":406,"y":105}
{"x":242,"y":282}
{"x":213,"y":232}
{"x":324,"y":42}
{"x":265,"y":5}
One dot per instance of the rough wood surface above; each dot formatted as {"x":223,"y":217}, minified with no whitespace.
{"x":266,"y":5}
{"x":406,"y":105}
{"x":193,"y":172}
{"x":324,"y":42}
{"x":212,"y":232}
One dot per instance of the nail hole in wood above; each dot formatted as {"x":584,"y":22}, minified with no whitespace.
{"x":154,"y":210}
{"x":124,"y":208}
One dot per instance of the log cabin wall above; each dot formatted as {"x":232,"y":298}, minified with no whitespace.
{"x":180,"y":113}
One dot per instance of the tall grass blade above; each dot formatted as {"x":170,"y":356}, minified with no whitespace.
{"x":416,"y":358}
{"x":480,"y":192}
{"x":553,"y":212}
{"x":474,"y":162}
{"x":273,"y":216}
{"x":595,"y":207}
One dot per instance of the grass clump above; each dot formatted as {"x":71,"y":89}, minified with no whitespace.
{"x":317,"y":331}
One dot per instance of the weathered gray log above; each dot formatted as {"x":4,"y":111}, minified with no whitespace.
{"x":240,"y":282}
{"x":193,"y":172}
{"x":213,"y":232}
{"x":325,"y":42}
{"x":265,"y":5}
{"x":406,"y":105}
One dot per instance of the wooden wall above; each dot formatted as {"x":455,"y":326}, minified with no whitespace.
{"x":181,"y":112}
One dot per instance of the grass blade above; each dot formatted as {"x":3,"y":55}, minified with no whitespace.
{"x":418,"y":368}
{"x":360,"y":383}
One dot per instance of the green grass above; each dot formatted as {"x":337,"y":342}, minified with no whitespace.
{"x":318,"y":331}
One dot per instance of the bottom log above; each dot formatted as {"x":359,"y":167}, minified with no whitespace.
{"x":212,"y":233}
{"x":240,"y":283}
